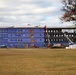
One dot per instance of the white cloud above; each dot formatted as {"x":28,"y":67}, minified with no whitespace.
{"x":2,"y":4}
{"x":45,"y":10}
{"x":35,"y":12}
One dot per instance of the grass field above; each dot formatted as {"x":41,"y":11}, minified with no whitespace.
{"x":37,"y":62}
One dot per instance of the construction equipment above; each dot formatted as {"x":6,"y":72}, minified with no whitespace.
{"x":71,"y":44}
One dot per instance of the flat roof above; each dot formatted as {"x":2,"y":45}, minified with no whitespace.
{"x":43,"y":27}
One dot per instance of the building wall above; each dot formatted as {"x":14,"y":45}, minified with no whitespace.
{"x":22,"y":37}
{"x":3,"y":36}
{"x":56,"y":35}
{"x":28,"y":37}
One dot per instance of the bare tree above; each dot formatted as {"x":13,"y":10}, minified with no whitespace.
{"x":69,"y":9}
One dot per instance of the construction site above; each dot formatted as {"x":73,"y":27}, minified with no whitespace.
{"x":37,"y":37}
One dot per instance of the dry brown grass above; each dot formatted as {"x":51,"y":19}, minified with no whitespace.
{"x":37,"y":62}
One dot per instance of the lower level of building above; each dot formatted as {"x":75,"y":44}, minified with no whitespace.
{"x":34,"y":45}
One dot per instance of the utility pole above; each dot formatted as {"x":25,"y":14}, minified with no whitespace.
{"x":48,"y":36}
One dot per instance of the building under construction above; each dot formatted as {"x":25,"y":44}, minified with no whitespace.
{"x":36,"y":37}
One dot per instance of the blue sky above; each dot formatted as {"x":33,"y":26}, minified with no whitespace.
{"x":34,"y":12}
